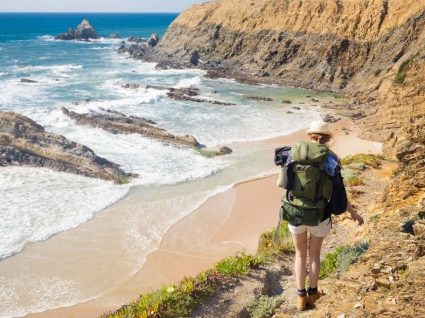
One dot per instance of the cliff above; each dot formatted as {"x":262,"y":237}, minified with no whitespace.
{"x":370,"y":50}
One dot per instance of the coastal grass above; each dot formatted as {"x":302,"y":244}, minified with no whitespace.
{"x":370,"y":160}
{"x":402,"y":70}
{"x":337,"y":262}
{"x":178,"y":300}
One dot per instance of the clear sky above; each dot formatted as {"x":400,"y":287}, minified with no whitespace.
{"x":95,"y":5}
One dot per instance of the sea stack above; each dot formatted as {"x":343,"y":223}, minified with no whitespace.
{"x":84,"y":32}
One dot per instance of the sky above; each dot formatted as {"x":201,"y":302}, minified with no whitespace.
{"x":96,"y":5}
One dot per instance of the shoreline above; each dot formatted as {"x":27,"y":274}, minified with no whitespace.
{"x":229,"y":224}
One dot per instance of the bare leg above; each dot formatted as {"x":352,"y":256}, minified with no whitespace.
{"x":300,"y":243}
{"x":314,"y":256}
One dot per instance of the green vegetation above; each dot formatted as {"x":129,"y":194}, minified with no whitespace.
{"x":264,"y":306}
{"x":335,"y":263}
{"x":178,"y":300}
{"x":371,"y":160}
{"x":401,"y":74}
{"x":353,"y":181}
{"x":374,"y":217}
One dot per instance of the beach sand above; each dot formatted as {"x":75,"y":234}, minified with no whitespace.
{"x":225,"y":224}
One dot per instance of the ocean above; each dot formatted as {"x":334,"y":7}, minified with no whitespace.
{"x":38,"y":203}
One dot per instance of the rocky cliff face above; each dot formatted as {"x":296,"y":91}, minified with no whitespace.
{"x":371,"y":50}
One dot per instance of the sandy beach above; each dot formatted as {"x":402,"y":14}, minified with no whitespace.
{"x":225,"y":224}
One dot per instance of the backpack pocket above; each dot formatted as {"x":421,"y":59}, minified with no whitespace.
{"x":296,"y":215}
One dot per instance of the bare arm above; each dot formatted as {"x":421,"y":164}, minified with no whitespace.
{"x":354,"y":215}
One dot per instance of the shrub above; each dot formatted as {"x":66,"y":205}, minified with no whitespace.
{"x":339,"y":261}
{"x":264,"y":306}
{"x":371,"y":160}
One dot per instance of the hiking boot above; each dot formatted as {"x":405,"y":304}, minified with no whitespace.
{"x":302,"y":302}
{"x":312,"y":298}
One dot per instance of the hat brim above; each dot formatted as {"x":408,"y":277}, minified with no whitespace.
{"x":328,"y":133}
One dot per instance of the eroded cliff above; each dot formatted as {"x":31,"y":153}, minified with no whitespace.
{"x":373,"y":51}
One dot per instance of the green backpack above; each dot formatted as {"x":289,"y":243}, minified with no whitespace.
{"x":310,"y":188}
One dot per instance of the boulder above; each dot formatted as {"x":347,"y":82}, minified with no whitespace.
{"x":153,"y":40}
{"x":83,"y":32}
{"x":114,"y":36}
{"x":25,"y":143}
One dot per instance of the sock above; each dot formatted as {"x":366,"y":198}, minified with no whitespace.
{"x":301,"y":292}
{"x":312,"y":291}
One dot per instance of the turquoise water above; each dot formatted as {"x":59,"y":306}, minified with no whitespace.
{"x":38,"y":203}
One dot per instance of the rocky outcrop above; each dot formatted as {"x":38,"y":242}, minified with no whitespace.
{"x":118,"y":123}
{"x":27,"y":80}
{"x":140,"y":46}
{"x":181,"y":94}
{"x":83,"y":32}
{"x":25,"y":143}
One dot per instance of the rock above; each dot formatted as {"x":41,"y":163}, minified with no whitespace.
{"x":118,"y":123}
{"x":25,"y":143}
{"x":286,"y":101}
{"x":83,"y":32}
{"x":419,"y":228}
{"x":258,"y":98}
{"x":153,"y":40}
{"x":225,"y":150}
{"x":27,"y":80}
{"x":314,"y":100}
{"x":135,"y":39}
{"x":328,"y":118}
{"x":180,"y":94}
{"x":114,"y":36}
{"x":296,"y":107}
{"x":289,"y":112}
{"x":194,"y":58}
{"x":122,"y":49}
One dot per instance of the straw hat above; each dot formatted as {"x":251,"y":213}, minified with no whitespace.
{"x":319,"y":127}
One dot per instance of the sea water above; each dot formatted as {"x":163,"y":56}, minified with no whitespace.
{"x":37,"y":203}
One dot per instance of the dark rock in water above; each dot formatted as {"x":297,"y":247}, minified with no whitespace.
{"x":118,"y":123}
{"x":289,"y":112}
{"x":122,"y":49}
{"x":286,"y":101}
{"x":83,"y":32}
{"x":315,"y":100}
{"x":139,"y":46}
{"x":25,"y":143}
{"x":259,"y":98}
{"x":184,"y":94}
{"x":153,"y":40}
{"x":27,"y":80}
{"x":194,"y":58}
{"x":296,"y":107}
{"x":114,"y":36}
{"x":135,"y":39}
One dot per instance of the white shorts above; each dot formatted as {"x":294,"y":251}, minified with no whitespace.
{"x":320,"y":230}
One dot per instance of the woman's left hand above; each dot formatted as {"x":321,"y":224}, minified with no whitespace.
{"x":357,"y":217}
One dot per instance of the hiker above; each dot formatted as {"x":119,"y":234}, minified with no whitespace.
{"x":315,"y":190}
